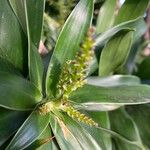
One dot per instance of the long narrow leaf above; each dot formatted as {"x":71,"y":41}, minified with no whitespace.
{"x":34,"y":28}
{"x":35,"y":16}
{"x":141,"y":116}
{"x":10,"y":121}
{"x":87,"y":142}
{"x":115,"y":52}
{"x":135,"y":24}
{"x":106,"y":16}
{"x":137,"y":7}
{"x":17,"y":93}
{"x":115,"y":80}
{"x":13,"y":41}
{"x":65,"y":138}
{"x":90,"y":95}
{"x":125,"y":127}
{"x":68,"y":42}
{"x":30,"y":16}
{"x":45,"y":141}
{"x":104,"y":139}
{"x":29,"y":131}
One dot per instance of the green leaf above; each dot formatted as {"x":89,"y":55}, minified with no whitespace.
{"x":131,"y":9}
{"x":123,"y":124}
{"x":92,"y":97}
{"x":13,"y":41}
{"x":17,"y":93}
{"x":19,"y":10}
{"x":138,"y":25}
{"x":65,"y":138}
{"x":106,"y":16}
{"x":86,"y":141}
{"x":35,"y":16}
{"x":135,"y":24}
{"x":34,"y":19}
{"x":141,"y":116}
{"x":10,"y":121}
{"x":45,"y":141}
{"x":104,"y":139}
{"x":6,"y":66}
{"x":110,"y":81}
{"x":31,"y":129}
{"x":115,"y":80}
{"x":30,"y":15}
{"x":115,"y":52}
{"x":144,"y":69}
{"x":68,"y":42}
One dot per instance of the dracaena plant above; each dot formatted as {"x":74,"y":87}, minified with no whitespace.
{"x":60,"y":106}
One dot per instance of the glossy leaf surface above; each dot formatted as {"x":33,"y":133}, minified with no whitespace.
{"x":10,"y":121}
{"x":13,"y":41}
{"x":106,"y":16}
{"x":17,"y":93}
{"x":135,"y":24}
{"x":115,"y":52}
{"x":6,"y":66}
{"x":34,"y":9}
{"x":44,"y":142}
{"x":90,"y":95}
{"x":141,"y":116}
{"x":35,"y":16}
{"x":65,"y":138}
{"x":31,"y":129}
{"x":114,"y":80}
{"x":123,"y":124}
{"x":68,"y":42}
{"x":30,"y":15}
{"x":86,"y":141}
{"x":101,"y":137}
{"x":131,"y":9}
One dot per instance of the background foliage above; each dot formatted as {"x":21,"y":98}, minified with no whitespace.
{"x":37,"y":38}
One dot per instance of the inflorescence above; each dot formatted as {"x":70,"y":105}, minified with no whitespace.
{"x":73,"y":76}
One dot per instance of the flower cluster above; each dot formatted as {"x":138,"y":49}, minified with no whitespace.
{"x":75,"y":71}
{"x":80,"y":117}
{"x":72,"y":77}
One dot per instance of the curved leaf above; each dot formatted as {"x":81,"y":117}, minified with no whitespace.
{"x":101,"y":137}
{"x":18,"y":8}
{"x":137,"y":7}
{"x":44,"y":142}
{"x":115,"y":52}
{"x":141,"y":116}
{"x":68,"y":42}
{"x":35,"y":16}
{"x":6,"y":66}
{"x":135,"y":24}
{"x":115,"y":80}
{"x":110,"y":81}
{"x":106,"y":16}
{"x":34,"y":19}
{"x":30,"y":15}
{"x":17,"y":93}
{"x":65,"y":138}
{"x":86,"y":141}
{"x":10,"y":121}
{"x":31,"y":129}
{"x":93,"y":96}
{"x":13,"y":41}
{"x":138,"y":25}
{"x":123,"y":124}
